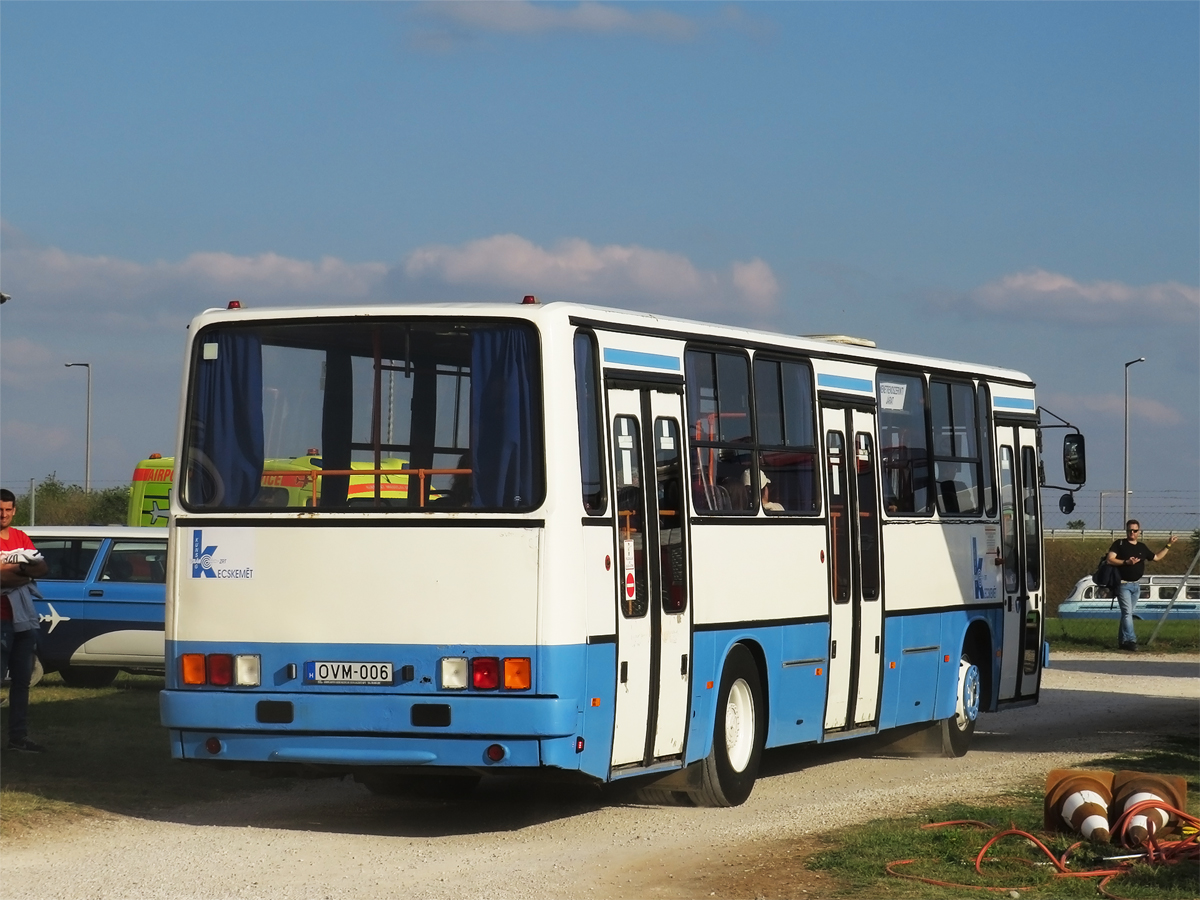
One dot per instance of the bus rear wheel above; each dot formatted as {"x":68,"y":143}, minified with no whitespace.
{"x":727,"y":774}
{"x":957,"y":730}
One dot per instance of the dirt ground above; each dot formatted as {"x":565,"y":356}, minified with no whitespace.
{"x":531,"y":840}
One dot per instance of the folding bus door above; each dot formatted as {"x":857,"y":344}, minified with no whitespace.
{"x":653,"y":607}
{"x":855,"y":590}
{"x":1021,"y":559}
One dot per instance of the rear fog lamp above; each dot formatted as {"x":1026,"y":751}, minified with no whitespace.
{"x":517,"y":674}
{"x":485,"y":673}
{"x":247,"y":670}
{"x":193,"y":668}
{"x":220,"y":669}
{"x":454,"y":673}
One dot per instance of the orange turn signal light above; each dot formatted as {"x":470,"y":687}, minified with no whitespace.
{"x":517,"y":674}
{"x":193,"y":668}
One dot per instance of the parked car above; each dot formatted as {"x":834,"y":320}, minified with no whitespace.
{"x":104,"y":598}
{"x":1089,"y":601}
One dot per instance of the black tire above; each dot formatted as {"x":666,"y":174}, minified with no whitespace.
{"x":958,"y":729}
{"x":419,"y":787}
{"x":38,"y":671}
{"x":88,"y":676}
{"x":727,"y":774}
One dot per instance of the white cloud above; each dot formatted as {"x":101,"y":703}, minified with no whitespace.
{"x":526,"y":18}
{"x":1112,"y":406}
{"x":93,"y":295}
{"x":623,"y":275}
{"x":108,"y":294}
{"x":1047,"y":296}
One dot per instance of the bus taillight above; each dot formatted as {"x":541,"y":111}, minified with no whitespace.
{"x":193,"y":668}
{"x":220,"y":669}
{"x":517,"y":675}
{"x":485,"y":673}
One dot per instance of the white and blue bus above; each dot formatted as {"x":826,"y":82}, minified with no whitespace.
{"x":629,"y":546}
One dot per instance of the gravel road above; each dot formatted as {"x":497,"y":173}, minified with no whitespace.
{"x":332,"y":839}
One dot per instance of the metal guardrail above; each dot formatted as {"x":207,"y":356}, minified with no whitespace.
{"x":1109,"y":534}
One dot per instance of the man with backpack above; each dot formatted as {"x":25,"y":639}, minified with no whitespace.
{"x":1130,"y":556}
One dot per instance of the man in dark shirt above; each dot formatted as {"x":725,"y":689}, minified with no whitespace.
{"x":1130,"y":556}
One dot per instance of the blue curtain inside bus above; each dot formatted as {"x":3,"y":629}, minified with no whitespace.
{"x":226,"y":460}
{"x":505,"y":417}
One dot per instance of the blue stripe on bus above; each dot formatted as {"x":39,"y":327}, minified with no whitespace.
{"x":637,"y":358}
{"x":846,"y":383}
{"x":1012,"y":403}
{"x":574,"y":695}
{"x":575,"y":686}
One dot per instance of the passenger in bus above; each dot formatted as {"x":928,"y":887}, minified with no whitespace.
{"x":763,"y":490}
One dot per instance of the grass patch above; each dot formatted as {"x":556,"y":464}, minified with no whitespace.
{"x":1177,"y":636}
{"x":106,"y":752}
{"x":859,"y":858}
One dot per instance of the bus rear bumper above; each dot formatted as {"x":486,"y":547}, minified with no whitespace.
{"x":349,"y":751}
{"x":365,"y":730}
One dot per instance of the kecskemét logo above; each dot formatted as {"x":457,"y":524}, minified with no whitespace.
{"x":202,"y":557}
{"x":235,"y":561}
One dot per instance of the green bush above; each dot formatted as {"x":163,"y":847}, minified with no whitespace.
{"x":70,"y":504}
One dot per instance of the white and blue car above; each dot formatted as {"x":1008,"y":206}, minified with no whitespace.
{"x":104,"y":598}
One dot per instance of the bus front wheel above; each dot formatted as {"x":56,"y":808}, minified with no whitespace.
{"x":729,"y":770}
{"x":957,"y":730}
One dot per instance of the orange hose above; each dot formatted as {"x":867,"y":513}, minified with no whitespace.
{"x":1158,"y":852}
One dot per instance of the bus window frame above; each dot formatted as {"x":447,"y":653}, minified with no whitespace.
{"x":257,"y":325}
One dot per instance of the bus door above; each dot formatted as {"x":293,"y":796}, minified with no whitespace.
{"x":855,"y":591}
{"x":1021,"y":562}
{"x":653,"y":610}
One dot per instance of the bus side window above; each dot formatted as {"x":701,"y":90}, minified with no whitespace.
{"x":1008,"y":507}
{"x":587,"y":399}
{"x":783,"y":402}
{"x":987,"y":455}
{"x":955,"y":448}
{"x":721,"y":436}
{"x":903,"y":451}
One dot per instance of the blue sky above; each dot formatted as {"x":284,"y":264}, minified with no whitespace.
{"x":1016,"y":184}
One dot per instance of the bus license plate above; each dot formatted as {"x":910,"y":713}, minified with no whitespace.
{"x":321,"y":672}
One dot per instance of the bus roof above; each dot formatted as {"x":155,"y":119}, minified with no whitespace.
{"x":619,"y":319}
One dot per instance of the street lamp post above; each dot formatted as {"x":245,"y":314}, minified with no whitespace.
{"x":1126,"y":485}
{"x":87,"y":470}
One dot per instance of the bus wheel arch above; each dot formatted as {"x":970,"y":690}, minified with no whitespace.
{"x":977,"y":643}
{"x":728,"y":773}
{"x":972,"y":691}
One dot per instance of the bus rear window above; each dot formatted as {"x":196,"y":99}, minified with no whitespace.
{"x":386,"y":415}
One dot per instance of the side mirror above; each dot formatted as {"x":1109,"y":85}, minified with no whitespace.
{"x":1066,"y":504}
{"x":1074,"y":459}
